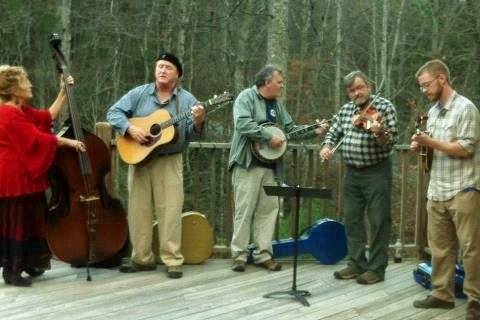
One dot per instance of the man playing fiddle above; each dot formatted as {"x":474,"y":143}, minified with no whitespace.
{"x":366,"y":132}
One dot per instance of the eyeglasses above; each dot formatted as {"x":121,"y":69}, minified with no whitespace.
{"x":424,"y":86}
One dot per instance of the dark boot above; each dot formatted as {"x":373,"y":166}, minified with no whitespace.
{"x":15,"y":279}
{"x":35,"y":272}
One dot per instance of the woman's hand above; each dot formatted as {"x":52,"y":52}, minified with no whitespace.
{"x":70,"y":81}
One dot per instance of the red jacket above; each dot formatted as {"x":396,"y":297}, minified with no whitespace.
{"x":27,"y":150}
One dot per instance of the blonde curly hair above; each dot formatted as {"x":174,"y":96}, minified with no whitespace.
{"x":11,"y":78}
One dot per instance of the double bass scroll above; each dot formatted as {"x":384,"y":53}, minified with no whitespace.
{"x":85,"y":224}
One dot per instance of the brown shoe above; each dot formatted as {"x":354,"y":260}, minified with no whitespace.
{"x":135,"y":267}
{"x":174,"y":272}
{"x":270,"y":265}
{"x":238,"y":266}
{"x":369,"y":277}
{"x":432,"y":302}
{"x":347,"y":273}
{"x":473,"y":310}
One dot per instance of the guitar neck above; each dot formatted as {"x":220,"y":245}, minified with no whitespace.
{"x":182,"y":116}
{"x":176,"y":119}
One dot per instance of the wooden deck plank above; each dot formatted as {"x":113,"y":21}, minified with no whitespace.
{"x":213,"y":291}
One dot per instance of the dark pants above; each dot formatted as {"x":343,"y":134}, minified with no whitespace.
{"x":368,"y":190}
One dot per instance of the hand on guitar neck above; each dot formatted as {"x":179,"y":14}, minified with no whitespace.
{"x":420,"y":143}
{"x":419,"y":139}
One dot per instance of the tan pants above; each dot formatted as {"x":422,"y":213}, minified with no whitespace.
{"x":156,"y":190}
{"x":458,"y":218}
{"x":255,"y":213}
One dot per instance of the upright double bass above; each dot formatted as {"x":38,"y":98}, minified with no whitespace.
{"x":86,"y":225}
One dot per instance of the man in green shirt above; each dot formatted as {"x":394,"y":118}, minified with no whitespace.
{"x":255,"y":212}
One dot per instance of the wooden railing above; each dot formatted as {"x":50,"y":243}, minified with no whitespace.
{"x":208,"y":190}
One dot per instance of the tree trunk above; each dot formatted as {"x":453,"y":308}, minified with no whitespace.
{"x":65,"y":18}
{"x":384,"y":51}
{"x":394,"y":48}
{"x":242,"y":30}
{"x":319,"y":29}
{"x":373,"y":63}
{"x":277,"y":42}
{"x":338,"y":64}
{"x":304,"y":17}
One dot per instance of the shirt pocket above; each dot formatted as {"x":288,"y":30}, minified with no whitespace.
{"x":447,"y":131}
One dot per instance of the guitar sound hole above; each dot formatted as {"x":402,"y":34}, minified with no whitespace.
{"x":155,"y":130}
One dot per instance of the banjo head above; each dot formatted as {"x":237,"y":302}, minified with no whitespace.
{"x":262,"y":150}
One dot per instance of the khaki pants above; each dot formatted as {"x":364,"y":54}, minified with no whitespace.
{"x":458,"y":218}
{"x":156,"y":190}
{"x":255,"y":213}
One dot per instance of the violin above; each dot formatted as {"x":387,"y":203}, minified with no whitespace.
{"x":366,"y":117}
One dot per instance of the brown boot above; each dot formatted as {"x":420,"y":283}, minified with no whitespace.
{"x":347,"y":273}
{"x":431,"y":302}
{"x":473,"y":310}
{"x":270,"y":265}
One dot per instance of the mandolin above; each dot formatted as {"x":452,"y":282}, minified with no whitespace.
{"x":425,"y":152}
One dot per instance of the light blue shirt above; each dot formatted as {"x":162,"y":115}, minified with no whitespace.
{"x":142,"y":101}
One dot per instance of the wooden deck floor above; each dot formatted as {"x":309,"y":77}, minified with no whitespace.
{"x":213,"y":291}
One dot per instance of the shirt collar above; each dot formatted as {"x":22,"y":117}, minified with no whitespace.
{"x":255,"y":88}
{"x":447,"y":106}
{"x":153,"y":93}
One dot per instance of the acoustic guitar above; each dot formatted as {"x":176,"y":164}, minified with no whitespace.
{"x":161,"y":127}
{"x":262,"y":150}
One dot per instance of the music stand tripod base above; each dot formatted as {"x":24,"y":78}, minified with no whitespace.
{"x":297,"y":192}
{"x":298,"y":295}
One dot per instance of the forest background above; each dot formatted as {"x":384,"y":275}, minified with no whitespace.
{"x":112,"y":44}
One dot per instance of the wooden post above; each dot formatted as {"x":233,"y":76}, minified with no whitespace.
{"x":403,"y":192}
{"x":310,"y":178}
{"x":104,"y":131}
{"x":213,"y":189}
{"x":420,"y":214}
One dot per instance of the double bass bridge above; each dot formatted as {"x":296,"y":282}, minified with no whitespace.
{"x":89,"y":199}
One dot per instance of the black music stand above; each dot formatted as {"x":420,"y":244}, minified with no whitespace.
{"x":297,"y":192}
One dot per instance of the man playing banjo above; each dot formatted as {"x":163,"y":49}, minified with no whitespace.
{"x":256,"y":145}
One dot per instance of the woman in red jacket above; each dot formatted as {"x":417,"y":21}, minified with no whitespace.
{"x":27,"y":150}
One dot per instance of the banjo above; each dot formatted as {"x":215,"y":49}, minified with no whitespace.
{"x":262,"y":150}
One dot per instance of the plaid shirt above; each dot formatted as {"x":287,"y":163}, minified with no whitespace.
{"x":458,"y":121}
{"x":360,"y":148}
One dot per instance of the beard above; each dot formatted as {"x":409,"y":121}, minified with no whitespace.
{"x":434,"y":96}
{"x":360,"y":100}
